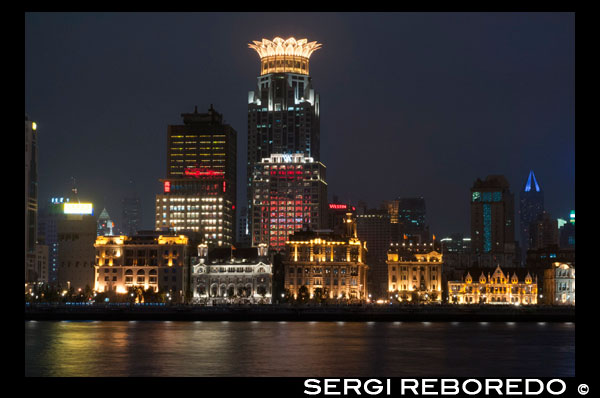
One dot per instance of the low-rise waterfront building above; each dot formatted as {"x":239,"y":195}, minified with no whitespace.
{"x":148,"y":260}
{"x":332,"y":263}
{"x":559,"y":284}
{"x":497,"y":288}
{"x":229,"y":275}
{"x":415,"y":272}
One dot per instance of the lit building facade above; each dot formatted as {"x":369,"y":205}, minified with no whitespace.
{"x":232,"y":276}
{"x":559,"y":284}
{"x":199,"y":193}
{"x":283,"y":111}
{"x":148,"y":260}
{"x":76,"y":234}
{"x":415,"y":272}
{"x":31,"y":201}
{"x":329,"y":262}
{"x":289,"y":193}
{"x":492,"y":217}
{"x":498,"y":288}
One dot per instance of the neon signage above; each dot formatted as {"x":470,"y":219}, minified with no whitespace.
{"x":78,"y":208}
{"x":167,"y":186}
{"x":337,"y":206}
{"x":198,"y":172}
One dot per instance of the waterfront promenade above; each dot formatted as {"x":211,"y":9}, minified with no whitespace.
{"x":300,"y":313}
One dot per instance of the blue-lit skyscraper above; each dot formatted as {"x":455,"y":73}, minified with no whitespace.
{"x":531,"y":205}
{"x":492,"y":216}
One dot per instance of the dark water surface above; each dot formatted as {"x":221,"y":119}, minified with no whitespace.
{"x":318,"y":349}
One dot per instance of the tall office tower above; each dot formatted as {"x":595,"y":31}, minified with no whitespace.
{"x":199,"y":193}
{"x":531,"y":204}
{"x":543,"y":231}
{"x":76,"y":231}
{"x":374,"y":227}
{"x":31,"y":200}
{"x":132,"y":213}
{"x":105,"y":224}
{"x":48,"y":220}
{"x":283,"y":112}
{"x":290,"y":193}
{"x":492,"y":215}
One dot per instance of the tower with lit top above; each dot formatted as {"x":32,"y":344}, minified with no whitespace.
{"x":283,"y":110}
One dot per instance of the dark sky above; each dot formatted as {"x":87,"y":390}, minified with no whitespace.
{"x":412,"y":104}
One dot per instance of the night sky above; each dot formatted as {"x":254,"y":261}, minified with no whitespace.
{"x":411,"y":104}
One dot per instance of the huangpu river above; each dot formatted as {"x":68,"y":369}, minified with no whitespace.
{"x":302,"y":349}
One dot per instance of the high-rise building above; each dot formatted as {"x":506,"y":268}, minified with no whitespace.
{"x":131,"y":213}
{"x":543,"y":231}
{"x":492,"y":215}
{"x":76,"y":234}
{"x":244,"y":235}
{"x":531,"y":204}
{"x":411,"y":219}
{"x":31,"y":200}
{"x":567,"y":232}
{"x":283,"y":111}
{"x":48,"y":220}
{"x":290,"y":193}
{"x":199,"y":193}
{"x":373,"y":227}
{"x":337,"y":214}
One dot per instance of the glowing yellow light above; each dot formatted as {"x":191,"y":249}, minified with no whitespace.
{"x":78,"y":208}
{"x":33,"y":126}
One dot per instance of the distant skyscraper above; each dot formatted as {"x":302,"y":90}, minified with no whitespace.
{"x":531,"y":205}
{"x":131,"y":216}
{"x":567,"y":232}
{"x":289,"y":194}
{"x":199,"y":193}
{"x":374,"y":227}
{"x":411,"y":219}
{"x":543,"y":231}
{"x":31,"y":200}
{"x":244,"y":235}
{"x":283,"y":112}
{"x":48,"y":220}
{"x":492,"y":215}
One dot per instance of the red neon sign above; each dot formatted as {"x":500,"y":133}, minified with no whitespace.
{"x":167,"y":186}
{"x":336,"y":206}
{"x":197,"y":172}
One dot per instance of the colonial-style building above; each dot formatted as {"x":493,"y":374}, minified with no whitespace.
{"x":498,"y":288}
{"x":229,"y":275}
{"x":330,"y":262}
{"x":148,"y":260}
{"x":559,"y":284}
{"x":415,"y":272}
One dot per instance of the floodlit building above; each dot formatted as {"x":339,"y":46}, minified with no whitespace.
{"x":199,"y":193}
{"x":242,"y":275}
{"x":289,"y":193}
{"x":415,"y":272}
{"x":559,"y":284}
{"x":148,"y":260}
{"x":531,"y":205}
{"x":283,"y":110}
{"x":497,"y":288}
{"x":326,"y":263}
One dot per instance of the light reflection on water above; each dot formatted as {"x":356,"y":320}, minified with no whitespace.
{"x":323,"y":349}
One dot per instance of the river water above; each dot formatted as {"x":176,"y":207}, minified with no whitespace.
{"x":303,"y":349}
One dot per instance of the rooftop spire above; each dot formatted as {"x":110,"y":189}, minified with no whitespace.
{"x":531,"y":179}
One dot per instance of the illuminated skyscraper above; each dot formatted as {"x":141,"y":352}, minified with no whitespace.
{"x":131,"y":213}
{"x":492,"y":215}
{"x":283,"y":112}
{"x":199,"y":193}
{"x":290,"y":194}
{"x":531,"y":205}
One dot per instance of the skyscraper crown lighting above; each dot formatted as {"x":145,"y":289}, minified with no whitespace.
{"x":281,"y":55}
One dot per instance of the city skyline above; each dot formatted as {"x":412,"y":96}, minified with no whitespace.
{"x":435,"y":106}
